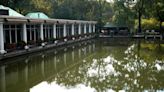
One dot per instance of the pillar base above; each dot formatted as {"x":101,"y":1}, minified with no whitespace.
{"x":43,"y":44}
{"x":3,"y":52}
{"x":56,"y":42}
{"x":26,"y":47}
{"x":73,"y":38}
{"x":65,"y":40}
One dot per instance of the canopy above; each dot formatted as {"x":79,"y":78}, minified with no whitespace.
{"x":38,"y":15}
{"x":11,"y":11}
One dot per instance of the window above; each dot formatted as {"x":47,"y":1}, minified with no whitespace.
{"x":12,"y":33}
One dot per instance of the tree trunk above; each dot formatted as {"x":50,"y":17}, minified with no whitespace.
{"x":139,"y":21}
{"x":160,"y":26}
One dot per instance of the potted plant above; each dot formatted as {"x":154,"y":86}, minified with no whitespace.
{"x":21,"y":45}
{"x":11,"y":46}
{"x":31,"y":42}
{"x":39,"y":42}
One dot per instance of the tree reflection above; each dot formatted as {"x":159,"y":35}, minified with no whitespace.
{"x":130,"y":68}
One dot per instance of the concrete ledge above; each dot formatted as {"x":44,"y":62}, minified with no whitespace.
{"x":40,"y":48}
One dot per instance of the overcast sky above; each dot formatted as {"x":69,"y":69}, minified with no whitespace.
{"x":109,"y":0}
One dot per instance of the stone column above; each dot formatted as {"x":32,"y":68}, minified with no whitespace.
{"x":90,"y":28}
{"x":25,"y":35}
{"x":94,"y":28}
{"x":48,"y":36}
{"x":35,"y":35}
{"x":79,"y":29}
{"x":73,"y":31}
{"x":2,"y":50}
{"x":30,"y":34}
{"x":54,"y":32}
{"x":10,"y":36}
{"x":42,"y":33}
{"x":16,"y":35}
{"x":85,"y":29}
{"x":65,"y":32}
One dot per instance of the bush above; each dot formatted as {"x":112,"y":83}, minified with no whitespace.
{"x":21,"y":44}
{"x":39,"y":41}
{"x":148,"y":24}
{"x":11,"y":46}
{"x":31,"y":42}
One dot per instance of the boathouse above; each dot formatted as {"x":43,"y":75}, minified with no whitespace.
{"x":18,"y":32}
{"x":112,"y":30}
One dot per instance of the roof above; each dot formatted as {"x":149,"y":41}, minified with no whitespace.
{"x":38,"y":15}
{"x":11,"y":11}
{"x":109,"y":25}
{"x":4,"y":18}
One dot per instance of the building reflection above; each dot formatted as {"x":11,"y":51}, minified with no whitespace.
{"x":21,"y":76}
{"x":2,"y":79}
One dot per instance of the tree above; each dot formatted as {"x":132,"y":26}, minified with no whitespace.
{"x":42,"y":5}
{"x":123,"y":16}
{"x":159,"y":8}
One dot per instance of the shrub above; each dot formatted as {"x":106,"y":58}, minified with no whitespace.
{"x":21,"y":44}
{"x":11,"y":46}
{"x":148,"y":24}
{"x":39,"y":41}
{"x":31,"y":42}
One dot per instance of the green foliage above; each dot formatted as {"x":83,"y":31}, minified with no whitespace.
{"x":148,"y":24}
{"x":42,"y":5}
{"x":120,"y":12}
{"x":98,"y":10}
{"x":123,"y":15}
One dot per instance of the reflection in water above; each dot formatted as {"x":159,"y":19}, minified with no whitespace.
{"x":102,"y":65}
{"x":45,"y":87}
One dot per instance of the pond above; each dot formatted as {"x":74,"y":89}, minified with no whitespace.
{"x":98,"y":65}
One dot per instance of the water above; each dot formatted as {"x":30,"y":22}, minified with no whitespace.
{"x":101,"y":65}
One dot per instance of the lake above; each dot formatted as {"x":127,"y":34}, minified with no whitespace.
{"x":98,"y":65}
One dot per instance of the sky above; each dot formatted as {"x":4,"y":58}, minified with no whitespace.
{"x":109,"y":0}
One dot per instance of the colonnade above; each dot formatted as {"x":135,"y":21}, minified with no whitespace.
{"x":57,"y":32}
